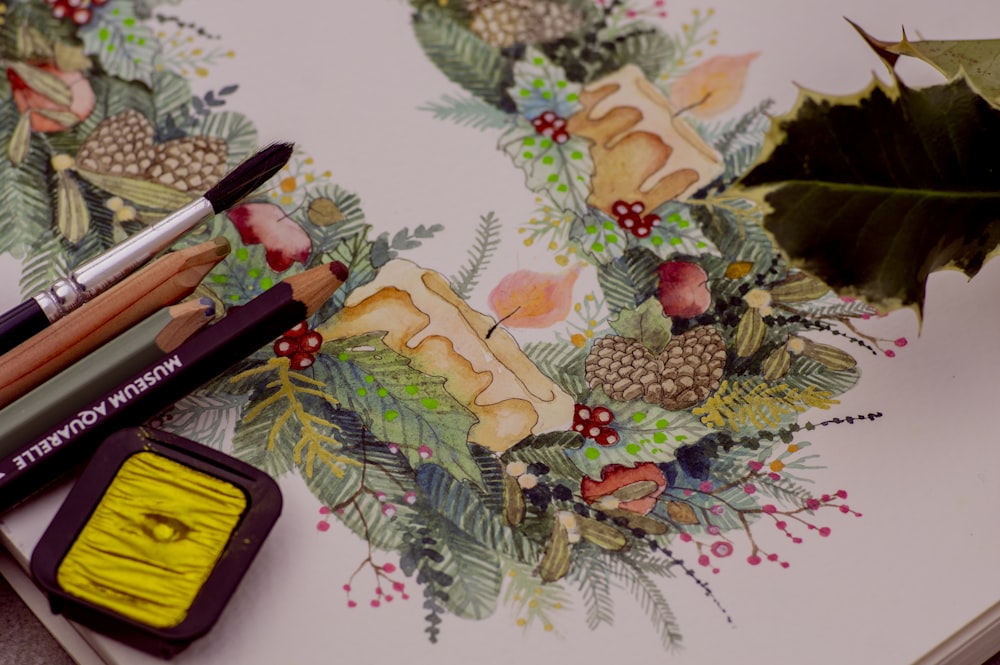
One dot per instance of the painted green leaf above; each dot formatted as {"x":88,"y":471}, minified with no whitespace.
{"x":978,"y":59}
{"x":460,"y":55}
{"x":629,"y":279}
{"x":171,"y":93}
{"x":561,"y":362}
{"x":677,"y":234}
{"x":466,"y":576}
{"x":24,"y":197}
{"x":540,"y":85}
{"x":561,"y":171}
{"x":402,"y":405}
{"x":645,"y":324}
{"x":462,"y":505}
{"x":235,"y":129}
{"x":551,"y":450}
{"x":873,"y":192}
{"x":599,"y":235}
{"x":125,"y":47}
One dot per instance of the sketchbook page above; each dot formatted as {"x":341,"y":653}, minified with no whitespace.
{"x":445,"y":497}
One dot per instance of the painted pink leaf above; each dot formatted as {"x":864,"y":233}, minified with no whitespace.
{"x":529,"y":299}
{"x":267,"y":224}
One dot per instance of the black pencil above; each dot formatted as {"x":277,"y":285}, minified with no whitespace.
{"x":35,"y":314}
{"x":205,"y":355}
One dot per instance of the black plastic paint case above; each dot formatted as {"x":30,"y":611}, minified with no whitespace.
{"x":263,"y":506}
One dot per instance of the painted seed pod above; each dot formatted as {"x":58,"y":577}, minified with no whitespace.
{"x":749,"y":333}
{"x":830,"y":356}
{"x":681,"y":513}
{"x":798,"y":287}
{"x":603,"y":535}
{"x":555,"y":562}
{"x":776,"y":364}
{"x":513,"y":500}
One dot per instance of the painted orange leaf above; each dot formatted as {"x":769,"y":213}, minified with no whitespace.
{"x":713,"y":86}
{"x":530,"y":299}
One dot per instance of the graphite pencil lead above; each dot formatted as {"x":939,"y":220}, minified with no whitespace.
{"x":248,"y":176}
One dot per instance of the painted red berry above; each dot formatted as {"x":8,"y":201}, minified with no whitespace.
{"x":607,"y":437}
{"x":601,"y":415}
{"x":629,"y":216}
{"x":551,"y":126}
{"x":302,"y":360}
{"x":82,"y":16}
{"x":285,"y":347}
{"x":298,"y":330}
{"x":581,"y":413}
{"x":311,"y":341}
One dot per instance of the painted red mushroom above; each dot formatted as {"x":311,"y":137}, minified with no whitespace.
{"x":616,"y":476}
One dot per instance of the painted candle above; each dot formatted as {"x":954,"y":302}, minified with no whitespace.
{"x":153,"y":540}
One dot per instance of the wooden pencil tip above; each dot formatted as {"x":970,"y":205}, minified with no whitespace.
{"x":339,"y":270}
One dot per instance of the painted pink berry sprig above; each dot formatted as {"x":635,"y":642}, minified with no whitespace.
{"x":80,"y":12}
{"x":551,"y":126}
{"x":594,"y":423}
{"x":629,"y":216}
{"x":299,"y":345}
{"x":387,"y":588}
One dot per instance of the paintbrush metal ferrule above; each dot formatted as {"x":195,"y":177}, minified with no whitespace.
{"x":95,"y":276}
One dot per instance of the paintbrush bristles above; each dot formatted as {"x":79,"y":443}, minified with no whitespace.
{"x":248,"y":176}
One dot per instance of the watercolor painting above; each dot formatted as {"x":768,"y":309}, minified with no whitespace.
{"x":640,"y":437}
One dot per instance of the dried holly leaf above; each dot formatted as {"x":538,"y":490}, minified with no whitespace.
{"x":978,"y":59}
{"x":873,"y":192}
{"x":645,"y":324}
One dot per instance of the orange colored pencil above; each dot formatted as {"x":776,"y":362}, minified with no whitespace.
{"x":163,"y":282}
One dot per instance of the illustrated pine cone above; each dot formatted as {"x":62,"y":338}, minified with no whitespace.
{"x":119,"y":145}
{"x":686,"y":372}
{"x":506,"y":22}
{"x":123,"y":145}
{"x":550,"y":21}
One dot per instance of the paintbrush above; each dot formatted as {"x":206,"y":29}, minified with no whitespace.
{"x":161,"y":283}
{"x":95,"y":276}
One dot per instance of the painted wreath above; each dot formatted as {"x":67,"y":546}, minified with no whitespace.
{"x":654,"y":434}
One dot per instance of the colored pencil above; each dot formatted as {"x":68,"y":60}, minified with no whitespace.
{"x":64,"y":394}
{"x":162,"y":283}
{"x":83,"y":284}
{"x":27,"y":465}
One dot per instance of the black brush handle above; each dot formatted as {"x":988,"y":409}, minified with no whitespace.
{"x":20,"y":323}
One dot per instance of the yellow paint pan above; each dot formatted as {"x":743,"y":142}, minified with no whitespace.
{"x":154,"y":538}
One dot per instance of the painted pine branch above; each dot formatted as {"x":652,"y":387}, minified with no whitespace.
{"x":483,"y":248}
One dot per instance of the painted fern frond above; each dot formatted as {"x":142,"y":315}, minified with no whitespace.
{"x":483,"y":248}
{"x":468,"y":112}
{"x":641,"y":585}
{"x":590,"y":573}
{"x":740,"y":403}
